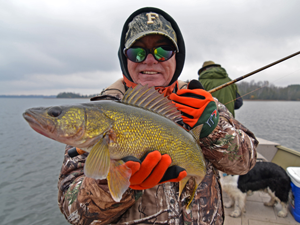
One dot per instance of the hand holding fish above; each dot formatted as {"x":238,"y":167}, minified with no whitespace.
{"x":152,"y":169}
{"x":197,"y":107}
{"x":109,"y":131}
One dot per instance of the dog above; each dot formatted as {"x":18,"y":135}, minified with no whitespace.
{"x":264,"y":176}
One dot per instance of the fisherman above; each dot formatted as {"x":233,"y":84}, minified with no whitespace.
{"x":152,"y":53}
{"x":212,"y":75}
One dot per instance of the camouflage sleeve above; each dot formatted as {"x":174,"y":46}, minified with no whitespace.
{"x":85,"y":200}
{"x":231,"y":147}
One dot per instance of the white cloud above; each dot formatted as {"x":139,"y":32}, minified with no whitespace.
{"x":85,"y":83}
{"x":65,"y":40}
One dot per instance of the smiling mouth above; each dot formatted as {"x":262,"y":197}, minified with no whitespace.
{"x":149,"y":72}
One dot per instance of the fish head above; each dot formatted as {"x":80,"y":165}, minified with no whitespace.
{"x":78,"y":125}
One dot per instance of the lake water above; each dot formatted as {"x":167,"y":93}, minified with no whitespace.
{"x":30,"y":163}
{"x":276,"y":121}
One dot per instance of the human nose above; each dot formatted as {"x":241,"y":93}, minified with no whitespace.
{"x":150,"y":59}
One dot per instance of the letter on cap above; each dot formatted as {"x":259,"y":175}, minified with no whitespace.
{"x":151,"y":16}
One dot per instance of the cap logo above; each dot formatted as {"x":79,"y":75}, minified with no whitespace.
{"x":151,"y":16}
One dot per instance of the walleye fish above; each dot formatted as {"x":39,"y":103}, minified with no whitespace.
{"x":142,"y":121}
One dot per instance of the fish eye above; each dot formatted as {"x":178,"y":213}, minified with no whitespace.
{"x":54,"y":111}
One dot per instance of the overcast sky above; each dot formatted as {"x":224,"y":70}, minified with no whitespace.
{"x":52,"y":46}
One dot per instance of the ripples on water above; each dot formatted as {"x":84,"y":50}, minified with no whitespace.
{"x":276,"y":121}
{"x":30,"y":163}
{"x":29,"y":166}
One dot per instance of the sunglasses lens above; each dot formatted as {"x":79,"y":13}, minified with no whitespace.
{"x":163,"y":53}
{"x":136,"y":54}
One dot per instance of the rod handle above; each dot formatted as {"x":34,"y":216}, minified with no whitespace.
{"x":72,"y":152}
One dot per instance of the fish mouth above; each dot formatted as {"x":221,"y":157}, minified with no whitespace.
{"x":39,"y":124}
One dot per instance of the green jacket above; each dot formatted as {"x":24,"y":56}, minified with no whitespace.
{"x":214,"y":77}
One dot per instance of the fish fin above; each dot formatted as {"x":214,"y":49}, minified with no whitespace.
{"x":182,"y":184}
{"x":151,"y":99}
{"x":118,"y":179}
{"x":97,"y":163}
{"x":196,"y":132}
{"x":192,"y":195}
{"x":197,"y":181}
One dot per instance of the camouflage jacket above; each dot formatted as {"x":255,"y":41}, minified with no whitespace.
{"x":231,"y":147}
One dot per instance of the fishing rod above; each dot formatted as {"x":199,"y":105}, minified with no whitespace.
{"x":76,"y":151}
{"x":253,"y":72}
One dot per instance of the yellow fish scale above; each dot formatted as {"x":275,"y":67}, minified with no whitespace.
{"x":71,"y":120}
{"x":138,"y":131}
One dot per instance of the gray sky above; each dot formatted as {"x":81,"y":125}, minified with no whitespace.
{"x":47,"y":47}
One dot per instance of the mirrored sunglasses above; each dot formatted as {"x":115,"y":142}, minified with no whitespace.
{"x":139,"y":54}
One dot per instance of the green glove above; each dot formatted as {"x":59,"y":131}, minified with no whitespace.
{"x":197,"y":107}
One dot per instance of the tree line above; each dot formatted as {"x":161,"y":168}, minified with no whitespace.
{"x":73,"y":95}
{"x":263,"y":90}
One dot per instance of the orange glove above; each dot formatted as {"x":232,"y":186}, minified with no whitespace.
{"x":152,"y":169}
{"x":197,"y":107}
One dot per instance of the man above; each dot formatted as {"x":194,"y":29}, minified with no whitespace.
{"x":152,"y":53}
{"x":212,"y":75}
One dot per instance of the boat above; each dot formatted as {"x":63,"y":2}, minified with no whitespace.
{"x":256,"y":213}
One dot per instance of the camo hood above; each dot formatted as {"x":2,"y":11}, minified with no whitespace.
{"x":177,"y":38}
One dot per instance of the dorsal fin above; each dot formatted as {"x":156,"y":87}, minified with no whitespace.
{"x":151,"y":99}
{"x":196,"y":132}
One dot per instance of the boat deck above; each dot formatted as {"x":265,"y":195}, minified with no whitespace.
{"x":258,"y":214}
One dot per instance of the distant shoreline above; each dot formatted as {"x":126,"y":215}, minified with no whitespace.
{"x":39,"y":97}
{"x":27,"y":96}
{"x":54,"y":96}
